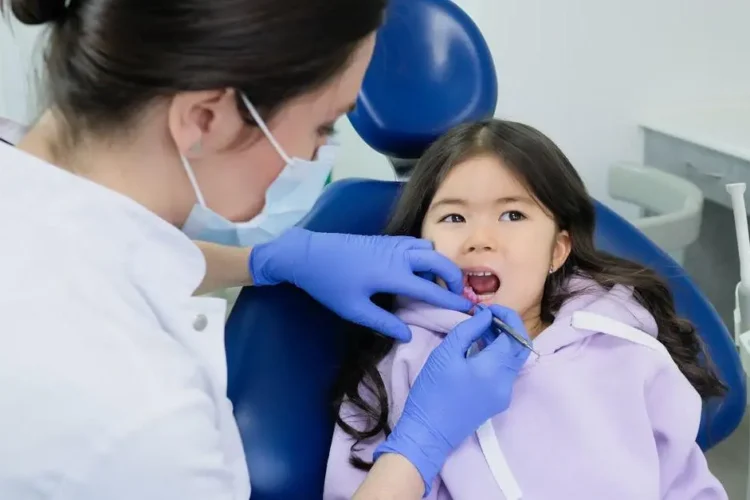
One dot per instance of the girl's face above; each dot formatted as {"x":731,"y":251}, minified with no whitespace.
{"x":485,"y":220}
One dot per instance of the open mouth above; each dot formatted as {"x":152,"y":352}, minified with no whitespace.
{"x":480,"y":285}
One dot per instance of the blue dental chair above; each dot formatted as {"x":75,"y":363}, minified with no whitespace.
{"x":431,"y":71}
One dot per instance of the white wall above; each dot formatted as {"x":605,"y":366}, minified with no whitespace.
{"x":20,"y":69}
{"x":583,"y":71}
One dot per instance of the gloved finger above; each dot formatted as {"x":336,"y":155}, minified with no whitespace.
{"x":430,"y":261}
{"x":421,"y":244}
{"x":469,"y":331}
{"x":432,"y":293}
{"x":503,"y":342}
{"x":380,"y":320}
{"x":408,"y":241}
{"x":484,"y":340}
{"x":427,"y":276}
{"x":510,"y":318}
{"x":504,"y":351}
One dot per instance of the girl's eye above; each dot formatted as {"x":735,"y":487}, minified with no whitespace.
{"x":512,"y":216}
{"x":453,"y":218}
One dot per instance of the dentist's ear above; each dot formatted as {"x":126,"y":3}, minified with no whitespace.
{"x":205,"y":122}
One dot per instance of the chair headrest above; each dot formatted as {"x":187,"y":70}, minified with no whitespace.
{"x":431,"y":71}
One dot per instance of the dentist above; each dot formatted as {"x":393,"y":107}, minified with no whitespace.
{"x":169,"y":121}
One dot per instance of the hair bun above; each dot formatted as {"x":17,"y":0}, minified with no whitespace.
{"x":38,"y":11}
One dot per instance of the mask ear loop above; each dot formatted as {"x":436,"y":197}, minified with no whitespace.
{"x":193,"y":181}
{"x":259,"y":121}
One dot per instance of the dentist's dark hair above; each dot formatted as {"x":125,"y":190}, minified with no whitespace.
{"x":553,"y":181}
{"x":108,"y":60}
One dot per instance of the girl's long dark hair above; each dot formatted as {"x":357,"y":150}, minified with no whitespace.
{"x":553,"y":181}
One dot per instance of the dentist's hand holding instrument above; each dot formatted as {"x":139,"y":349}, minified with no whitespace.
{"x":454,"y":394}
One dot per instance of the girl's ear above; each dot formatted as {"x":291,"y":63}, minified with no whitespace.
{"x":560,"y":250}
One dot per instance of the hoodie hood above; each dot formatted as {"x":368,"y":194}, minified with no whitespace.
{"x":617,"y":304}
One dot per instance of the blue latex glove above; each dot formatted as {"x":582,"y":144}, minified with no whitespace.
{"x":453,"y":395}
{"x":343,"y":271}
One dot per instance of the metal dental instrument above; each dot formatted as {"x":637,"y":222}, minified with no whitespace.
{"x":501,"y":327}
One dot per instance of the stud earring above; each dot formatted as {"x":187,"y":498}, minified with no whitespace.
{"x":551,"y":269}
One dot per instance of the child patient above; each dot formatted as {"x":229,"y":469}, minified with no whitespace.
{"x":610,"y":408}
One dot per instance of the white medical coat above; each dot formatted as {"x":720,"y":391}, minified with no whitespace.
{"x":112,"y":375}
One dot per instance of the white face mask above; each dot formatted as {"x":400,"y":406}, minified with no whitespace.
{"x":288,"y":198}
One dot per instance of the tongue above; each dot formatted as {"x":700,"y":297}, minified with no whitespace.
{"x":483,"y":285}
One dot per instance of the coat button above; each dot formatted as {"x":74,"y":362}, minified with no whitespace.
{"x":200,"y":322}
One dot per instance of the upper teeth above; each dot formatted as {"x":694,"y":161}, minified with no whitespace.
{"x":479,"y":273}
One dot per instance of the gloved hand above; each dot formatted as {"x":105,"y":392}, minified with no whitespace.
{"x":453,"y":395}
{"x":342,"y":271}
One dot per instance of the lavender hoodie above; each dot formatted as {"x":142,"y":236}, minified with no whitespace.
{"x":599,"y":415}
